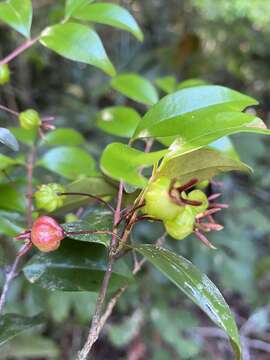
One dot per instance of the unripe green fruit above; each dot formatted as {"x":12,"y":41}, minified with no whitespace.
{"x":4,"y":74}
{"x":29,"y":119}
{"x":182,"y":226}
{"x":198,"y":195}
{"x":158,"y":202}
{"x":46,"y":234}
{"x":47,"y":197}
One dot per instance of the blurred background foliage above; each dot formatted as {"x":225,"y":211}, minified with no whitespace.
{"x":223,"y":42}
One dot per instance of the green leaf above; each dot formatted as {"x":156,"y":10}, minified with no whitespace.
{"x":190,"y":83}
{"x":70,"y":162}
{"x":30,"y":347}
{"x":200,"y":164}
{"x":99,"y":219}
{"x":6,"y":161}
{"x":225,"y":145}
{"x":25,"y":136}
{"x":75,"y":266}
{"x":79,"y":43}
{"x":191,"y":109}
{"x":110,"y":14}
{"x":12,"y":325}
{"x":121,"y":162}
{"x":118,"y":120}
{"x":8,"y":139}
{"x":8,"y":226}
{"x":95,"y":185}
{"x":136,"y":88}
{"x":166,"y":84}
{"x":63,"y":136}
{"x":73,"y":5}
{"x":13,"y":197}
{"x":196,"y":286}
{"x":18,"y":15}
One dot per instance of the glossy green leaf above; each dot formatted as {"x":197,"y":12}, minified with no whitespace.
{"x":99,"y":219}
{"x":226,"y":146}
{"x":63,"y":136}
{"x":18,"y":15}
{"x":118,"y":120}
{"x":166,"y":84}
{"x":197,"y":286}
{"x":12,"y":325}
{"x":8,"y":226}
{"x":75,"y":266}
{"x":68,"y":161}
{"x":121,"y":162}
{"x":8,"y":139}
{"x":190,"y":83}
{"x":200,"y":164}
{"x":79,"y":43}
{"x":192,"y":109}
{"x":110,"y":14}
{"x":95,"y":185}
{"x":136,"y":88}
{"x":73,"y":5}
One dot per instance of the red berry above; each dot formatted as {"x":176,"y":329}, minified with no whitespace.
{"x":46,"y":234}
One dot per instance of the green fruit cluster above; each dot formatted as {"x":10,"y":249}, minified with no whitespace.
{"x":178,"y":220}
{"x":4,"y":74}
{"x":47,"y":197}
{"x":29,"y":119}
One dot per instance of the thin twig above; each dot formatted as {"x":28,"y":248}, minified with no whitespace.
{"x":6,"y":109}
{"x":26,"y":45}
{"x":11,"y":274}
{"x":95,"y":325}
{"x":89,"y":195}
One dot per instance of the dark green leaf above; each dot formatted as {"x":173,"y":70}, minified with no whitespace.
{"x":136,"y":88}
{"x":121,"y":162}
{"x":18,"y":15}
{"x":63,"y":136}
{"x":75,"y":266}
{"x":110,"y":14}
{"x":68,"y":161}
{"x":118,"y":120}
{"x":12,"y":325}
{"x":196,"y":286}
{"x":9,"y":224}
{"x":8,"y":139}
{"x":200,"y":164}
{"x":191,"y":109}
{"x":73,"y":5}
{"x":79,"y":43}
{"x":94,"y":185}
{"x":97,"y":220}
{"x":6,"y":162}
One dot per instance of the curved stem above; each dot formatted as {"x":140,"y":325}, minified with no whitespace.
{"x":89,"y":195}
{"x":19,"y":50}
{"x":6,"y":109}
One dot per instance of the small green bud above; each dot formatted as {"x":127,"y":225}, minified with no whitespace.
{"x":4,"y":74}
{"x":47,"y":197}
{"x":70,"y":218}
{"x":29,"y":119}
{"x":198,"y":195}
{"x":182,"y":226}
{"x":158,"y":202}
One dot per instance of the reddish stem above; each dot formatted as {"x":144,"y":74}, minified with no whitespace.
{"x":19,"y":50}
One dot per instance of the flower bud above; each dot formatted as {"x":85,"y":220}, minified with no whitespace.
{"x":4,"y":74}
{"x":158,"y":202}
{"x":46,"y":234}
{"x":47,"y":197}
{"x":29,"y":119}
